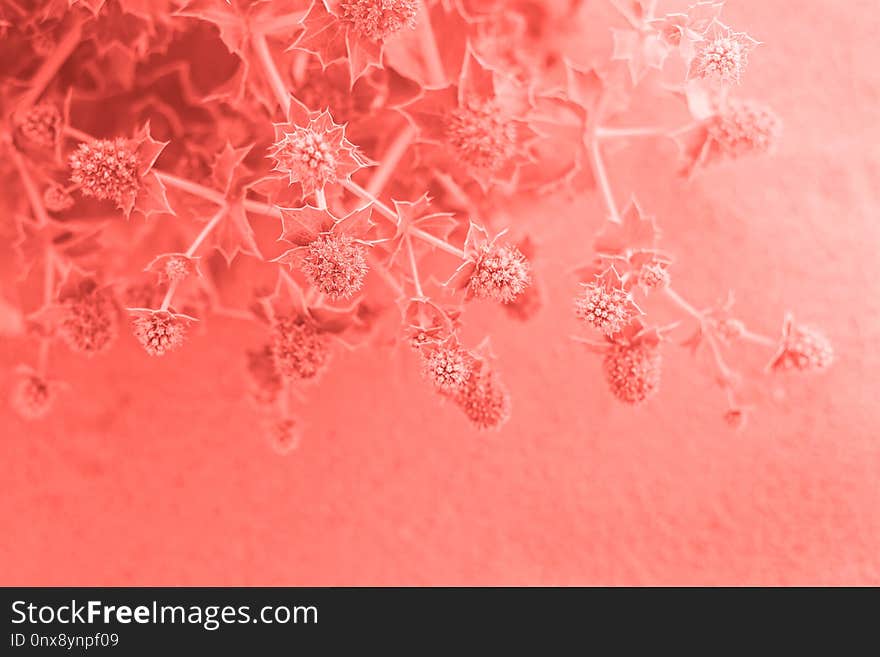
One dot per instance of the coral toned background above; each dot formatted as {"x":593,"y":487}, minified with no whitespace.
{"x":154,"y":472}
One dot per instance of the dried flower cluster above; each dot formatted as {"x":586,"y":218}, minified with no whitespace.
{"x":156,"y":149}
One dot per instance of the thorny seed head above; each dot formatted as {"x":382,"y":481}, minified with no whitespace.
{"x":481,"y":136}
{"x":307,"y":157}
{"x":501,"y":273}
{"x":106,"y":169}
{"x":40,"y":126}
{"x":633,"y":371}
{"x":745,"y":128}
{"x":56,"y":198}
{"x":159,"y":332}
{"x":300,"y":350}
{"x":379,"y":19}
{"x":804,"y":349}
{"x":177,"y":269}
{"x":336,"y":265}
{"x":31,"y":396}
{"x":90,"y":321}
{"x":653,"y":276}
{"x":265,"y":381}
{"x":723,"y":58}
{"x":447,"y":366}
{"x":484,"y":399}
{"x":607,"y":310}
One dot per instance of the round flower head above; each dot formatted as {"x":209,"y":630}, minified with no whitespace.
{"x":480,"y":135}
{"x":307,"y":157}
{"x":336,"y":265}
{"x":159,"y":331}
{"x":744,"y":128}
{"x":106,"y":169}
{"x":40,"y":126}
{"x":89,"y":322}
{"x":379,"y":19}
{"x":447,"y":366}
{"x":32,"y":396}
{"x":484,"y":399}
{"x":653,"y":276}
{"x":633,"y":371}
{"x":501,"y":273}
{"x":607,"y":309}
{"x":723,"y":57}
{"x":265,"y":381}
{"x":177,"y":269}
{"x":802,"y":348}
{"x":56,"y":198}
{"x":300,"y":350}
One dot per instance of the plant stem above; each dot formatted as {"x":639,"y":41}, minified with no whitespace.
{"x":436,"y":70}
{"x":30,"y":187}
{"x":602,"y":180}
{"x":727,"y":374}
{"x":443,"y":245}
{"x":390,"y":159}
{"x":211,"y":225}
{"x":282,"y":94}
{"x":50,"y":66}
{"x":382,"y":207}
{"x":679,"y":301}
{"x":320,"y":199}
{"x":190,"y":187}
{"x":413,"y":267}
{"x":637,"y":131}
{"x":757,"y":338}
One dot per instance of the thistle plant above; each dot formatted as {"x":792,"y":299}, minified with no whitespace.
{"x":317,"y":167}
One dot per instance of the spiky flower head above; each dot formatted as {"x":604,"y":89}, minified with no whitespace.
{"x":159,"y":331}
{"x":743,"y":127}
{"x":106,"y":169}
{"x":606,"y":304}
{"x":481,"y":136}
{"x":653,"y":276}
{"x":315,"y":152}
{"x":379,"y":19}
{"x":632,"y":371}
{"x":446,"y":365}
{"x":40,"y":126}
{"x":723,"y":55}
{"x":484,"y":399}
{"x":501,"y":272}
{"x":300,"y":350}
{"x":89,"y":322}
{"x":336,"y":264}
{"x":177,"y":269}
{"x":32,"y":395}
{"x":802,"y":348}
